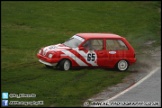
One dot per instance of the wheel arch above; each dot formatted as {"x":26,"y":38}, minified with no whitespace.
{"x":122,"y":59}
{"x":64,"y":59}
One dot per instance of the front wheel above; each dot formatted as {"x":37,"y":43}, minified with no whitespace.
{"x":65,"y":65}
{"x":122,"y":65}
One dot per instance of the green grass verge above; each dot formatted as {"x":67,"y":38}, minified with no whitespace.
{"x":27,"y":26}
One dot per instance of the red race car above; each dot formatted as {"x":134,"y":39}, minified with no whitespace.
{"x":89,"y":49}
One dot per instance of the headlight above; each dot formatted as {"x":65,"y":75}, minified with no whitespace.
{"x":50,"y":55}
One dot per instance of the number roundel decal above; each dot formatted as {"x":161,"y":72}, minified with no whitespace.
{"x":91,"y":57}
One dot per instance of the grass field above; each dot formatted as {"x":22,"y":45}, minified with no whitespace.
{"x":27,"y":26}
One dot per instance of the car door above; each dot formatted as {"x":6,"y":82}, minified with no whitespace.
{"x":116,"y":50}
{"x":93,"y":52}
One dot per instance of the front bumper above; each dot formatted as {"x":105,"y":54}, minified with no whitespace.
{"x":46,"y":63}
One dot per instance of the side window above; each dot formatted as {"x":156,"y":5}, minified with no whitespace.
{"x":94,"y":44}
{"x":122,"y":45}
{"x":115,"y":45}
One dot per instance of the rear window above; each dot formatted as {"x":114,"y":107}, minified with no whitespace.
{"x":115,"y":45}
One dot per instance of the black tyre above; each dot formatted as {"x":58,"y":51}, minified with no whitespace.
{"x":65,"y":65}
{"x":122,"y":65}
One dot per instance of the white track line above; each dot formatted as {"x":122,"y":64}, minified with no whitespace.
{"x":139,"y":82}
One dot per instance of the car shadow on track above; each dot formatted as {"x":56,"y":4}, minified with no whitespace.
{"x":89,"y":69}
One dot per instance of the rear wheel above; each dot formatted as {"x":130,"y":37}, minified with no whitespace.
{"x":122,"y":65}
{"x":65,"y":65}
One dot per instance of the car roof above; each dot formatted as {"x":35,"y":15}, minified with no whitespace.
{"x":98,"y":35}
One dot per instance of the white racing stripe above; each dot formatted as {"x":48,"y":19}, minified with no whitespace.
{"x":76,"y":59}
{"x":84,"y":55}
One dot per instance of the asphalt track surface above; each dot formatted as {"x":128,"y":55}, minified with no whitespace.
{"x":145,"y":93}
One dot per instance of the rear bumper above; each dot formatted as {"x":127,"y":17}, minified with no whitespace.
{"x":133,"y":60}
